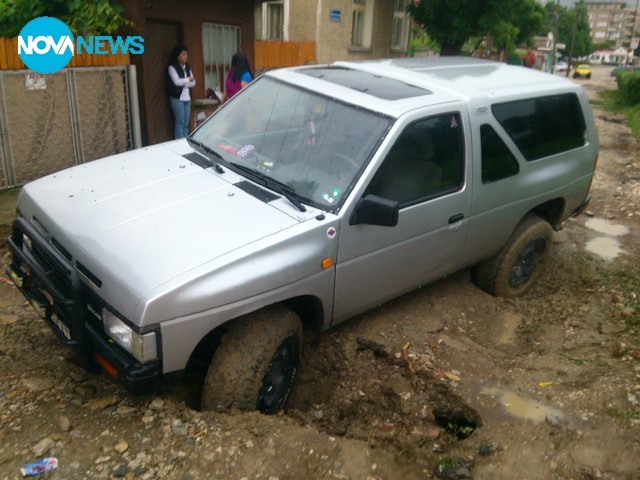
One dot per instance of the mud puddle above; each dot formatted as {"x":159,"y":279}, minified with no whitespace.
{"x":606,"y":247}
{"x":525,"y":408}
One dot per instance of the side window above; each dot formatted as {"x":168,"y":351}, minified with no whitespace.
{"x":497,"y":160}
{"x":543,"y":126}
{"x":426,"y":161}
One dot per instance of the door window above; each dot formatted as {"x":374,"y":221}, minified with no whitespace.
{"x":426,"y":161}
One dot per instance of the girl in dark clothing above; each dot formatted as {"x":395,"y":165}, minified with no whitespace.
{"x":238,"y":77}
{"x":179,"y":82}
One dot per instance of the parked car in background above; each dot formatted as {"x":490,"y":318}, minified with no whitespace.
{"x":624,"y":68}
{"x":561,"y":66}
{"x":583,"y":70}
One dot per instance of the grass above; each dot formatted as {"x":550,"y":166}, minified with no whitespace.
{"x":628,"y":284}
{"x":10,"y":192}
{"x":612,"y":101}
{"x":624,"y":416}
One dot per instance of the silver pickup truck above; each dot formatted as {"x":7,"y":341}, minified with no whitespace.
{"x":315,"y":194}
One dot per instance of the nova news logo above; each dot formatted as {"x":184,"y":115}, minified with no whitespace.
{"x":46,"y":45}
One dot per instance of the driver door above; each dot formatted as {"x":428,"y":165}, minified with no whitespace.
{"x":425,"y":171}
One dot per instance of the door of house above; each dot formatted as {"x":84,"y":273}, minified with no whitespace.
{"x":161,"y":37}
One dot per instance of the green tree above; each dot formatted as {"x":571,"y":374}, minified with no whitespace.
{"x":451,"y":23}
{"x":569,"y":21}
{"x":574,"y":31}
{"x":83,"y":17}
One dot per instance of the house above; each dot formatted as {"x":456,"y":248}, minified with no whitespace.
{"x":341,"y":29}
{"x":212,"y":31}
{"x":273,"y":33}
{"x":619,"y":56}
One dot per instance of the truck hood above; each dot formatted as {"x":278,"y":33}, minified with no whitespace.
{"x":136,"y":220}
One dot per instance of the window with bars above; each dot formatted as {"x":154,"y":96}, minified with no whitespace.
{"x":273,"y":20}
{"x":400,"y":33}
{"x":219,"y":43}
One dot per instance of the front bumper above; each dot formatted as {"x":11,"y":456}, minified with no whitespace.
{"x":50,"y":283}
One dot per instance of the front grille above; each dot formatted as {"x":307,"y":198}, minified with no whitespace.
{"x":56,"y":273}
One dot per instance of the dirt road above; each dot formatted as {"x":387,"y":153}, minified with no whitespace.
{"x":542,"y":387}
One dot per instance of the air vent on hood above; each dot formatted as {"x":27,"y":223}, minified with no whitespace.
{"x":256,"y":191}
{"x":198,"y":159}
{"x":88,"y":275}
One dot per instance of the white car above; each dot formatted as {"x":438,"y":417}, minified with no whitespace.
{"x":561,"y":66}
{"x":314,"y":194}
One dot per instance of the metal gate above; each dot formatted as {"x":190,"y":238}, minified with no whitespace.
{"x":51,"y":122}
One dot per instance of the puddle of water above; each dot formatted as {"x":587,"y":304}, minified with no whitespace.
{"x":605,"y":247}
{"x":524,"y":408}
{"x":511,"y":323}
{"x":605,"y":226}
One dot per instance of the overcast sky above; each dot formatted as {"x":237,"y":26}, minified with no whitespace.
{"x":571,"y":3}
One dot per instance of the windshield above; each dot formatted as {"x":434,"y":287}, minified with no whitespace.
{"x":314,"y":145}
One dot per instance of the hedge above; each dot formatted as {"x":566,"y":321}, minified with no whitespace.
{"x":629,"y":86}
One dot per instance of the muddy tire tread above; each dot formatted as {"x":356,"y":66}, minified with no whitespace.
{"x":238,"y":366}
{"x":492,"y":275}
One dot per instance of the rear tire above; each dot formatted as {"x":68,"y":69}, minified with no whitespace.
{"x":515,"y":269}
{"x":255,"y":364}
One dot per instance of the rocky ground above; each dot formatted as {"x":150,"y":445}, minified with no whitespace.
{"x":445,"y":382}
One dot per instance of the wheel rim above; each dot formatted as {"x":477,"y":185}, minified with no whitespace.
{"x":527,"y":262}
{"x":279,"y":377}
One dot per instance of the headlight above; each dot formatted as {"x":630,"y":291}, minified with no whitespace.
{"x":142,"y":347}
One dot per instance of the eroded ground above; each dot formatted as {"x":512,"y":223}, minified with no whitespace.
{"x":445,"y":382}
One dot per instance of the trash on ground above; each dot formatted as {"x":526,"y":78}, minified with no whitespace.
{"x":41,"y":466}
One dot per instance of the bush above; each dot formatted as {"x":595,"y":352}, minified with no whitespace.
{"x":629,"y":86}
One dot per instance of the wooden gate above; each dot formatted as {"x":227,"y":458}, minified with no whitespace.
{"x":276,"y":54}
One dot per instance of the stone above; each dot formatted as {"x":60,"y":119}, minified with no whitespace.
{"x":65,"y":423}
{"x":122,"y":446}
{"x":43,"y":446}
{"x":102,"y":402}
{"x":121,"y":471}
{"x":156,"y":404}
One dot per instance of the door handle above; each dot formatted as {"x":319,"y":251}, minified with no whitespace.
{"x":456,"y":218}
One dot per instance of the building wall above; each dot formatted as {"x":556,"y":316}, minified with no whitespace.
{"x":611,"y":21}
{"x":334,"y":37}
{"x":303,"y":16}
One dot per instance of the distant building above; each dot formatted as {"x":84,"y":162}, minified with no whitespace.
{"x":611,"y":21}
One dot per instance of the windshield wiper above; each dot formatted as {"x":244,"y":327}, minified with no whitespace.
{"x":275,"y":185}
{"x":210,"y":153}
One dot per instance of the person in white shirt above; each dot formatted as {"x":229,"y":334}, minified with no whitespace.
{"x":180,"y":80}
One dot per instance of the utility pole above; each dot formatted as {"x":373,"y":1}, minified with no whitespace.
{"x":555,"y":36}
{"x":573,"y":40}
{"x":633,"y":33}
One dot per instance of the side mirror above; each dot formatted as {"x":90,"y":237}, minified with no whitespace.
{"x":375,"y":210}
{"x":200,"y":118}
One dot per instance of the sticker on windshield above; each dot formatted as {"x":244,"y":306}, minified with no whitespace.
{"x":227,"y":148}
{"x":335,"y":195}
{"x":246,"y":151}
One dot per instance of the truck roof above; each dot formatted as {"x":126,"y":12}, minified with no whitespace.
{"x":395,"y":86}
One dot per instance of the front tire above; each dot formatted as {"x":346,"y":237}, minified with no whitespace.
{"x":515,"y":269}
{"x":255,"y":364}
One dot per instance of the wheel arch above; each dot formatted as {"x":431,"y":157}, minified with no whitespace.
{"x":309,"y":309}
{"x":550,"y":211}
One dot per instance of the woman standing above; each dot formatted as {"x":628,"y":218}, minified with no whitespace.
{"x":238,"y":77}
{"x":179,"y":82}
